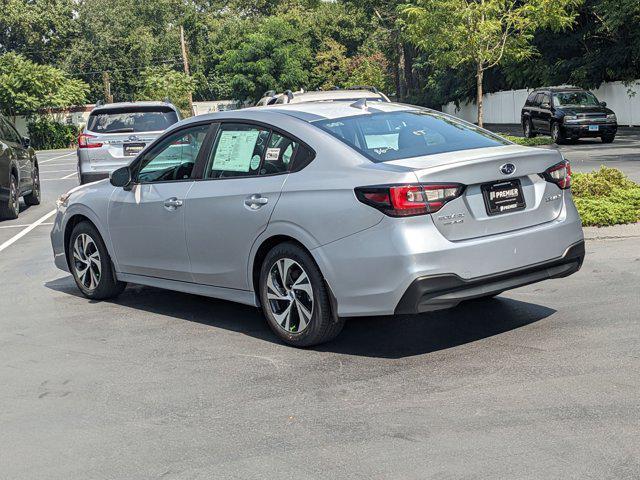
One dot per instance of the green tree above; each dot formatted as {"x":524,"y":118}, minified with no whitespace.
{"x":161,"y":83}
{"x":332,"y":66}
{"x":27,"y":87}
{"x":482,"y":32}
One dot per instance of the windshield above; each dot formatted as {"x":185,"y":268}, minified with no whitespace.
{"x":392,"y":136}
{"x":131,"y":120}
{"x":575,"y":99}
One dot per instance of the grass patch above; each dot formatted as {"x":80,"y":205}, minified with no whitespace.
{"x":606,"y":197}
{"x":528,"y":142}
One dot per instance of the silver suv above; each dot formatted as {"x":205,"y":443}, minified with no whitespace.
{"x":370,"y":94}
{"x":117,"y":132}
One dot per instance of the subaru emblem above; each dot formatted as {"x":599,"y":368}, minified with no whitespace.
{"x":508,"y":168}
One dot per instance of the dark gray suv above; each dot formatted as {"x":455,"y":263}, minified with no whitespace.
{"x":18,"y":171}
{"x":567,"y":113}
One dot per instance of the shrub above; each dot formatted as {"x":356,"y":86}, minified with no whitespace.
{"x":47,"y":134}
{"x":606,"y":197}
{"x":528,"y":142}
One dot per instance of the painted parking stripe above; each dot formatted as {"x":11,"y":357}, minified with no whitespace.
{"x":55,"y":158}
{"x":23,"y":225}
{"x":18,"y":236}
{"x":71,"y":175}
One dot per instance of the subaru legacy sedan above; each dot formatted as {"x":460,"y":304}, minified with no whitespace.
{"x":117,"y":132}
{"x":317,"y":212}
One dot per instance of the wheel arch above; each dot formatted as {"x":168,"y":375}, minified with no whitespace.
{"x":74,"y":219}
{"x":261,"y":253}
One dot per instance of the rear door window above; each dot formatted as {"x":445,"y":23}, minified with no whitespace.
{"x":131,"y":120}
{"x":238,"y":151}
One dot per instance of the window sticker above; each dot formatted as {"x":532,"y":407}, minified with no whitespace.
{"x":255,"y":162}
{"x":272,"y":154}
{"x":235,"y":150}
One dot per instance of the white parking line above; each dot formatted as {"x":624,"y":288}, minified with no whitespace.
{"x":55,"y":158}
{"x":18,"y":236}
{"x":75,"y":173}
{"x":58,"y":171}
{"x":23,"y":225}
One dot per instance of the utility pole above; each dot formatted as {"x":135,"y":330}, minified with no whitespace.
{"x":106,"y":84}
{"x":185,"y":61}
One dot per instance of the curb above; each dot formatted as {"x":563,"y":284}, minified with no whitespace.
{"x":616,"y":231}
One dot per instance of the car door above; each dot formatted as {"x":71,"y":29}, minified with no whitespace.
{"x":232,"y":204}
{"x":544,"y":118}
{"x":19,"y":153}
{"x":146,"y":220}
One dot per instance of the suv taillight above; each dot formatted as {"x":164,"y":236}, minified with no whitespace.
{"x":84,"y":142}
{"x":408,"y":200}
{"x":560,"y":174}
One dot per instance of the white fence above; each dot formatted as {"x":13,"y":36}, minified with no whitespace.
{"x":504,"y":107}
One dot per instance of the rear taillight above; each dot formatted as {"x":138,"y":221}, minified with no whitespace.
{"x":84,"y":141}
{"x":560,"y":174}
{"x":408,"y":200}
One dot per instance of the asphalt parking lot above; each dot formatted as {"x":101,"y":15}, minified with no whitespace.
{"x":540,"y":383}
{"x":589,"y":153}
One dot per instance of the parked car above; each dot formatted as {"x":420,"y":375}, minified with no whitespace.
{"x":19,"y":176}
{"x":117,"y":132}
{"x":371,"y":94}
{"x":567,"y":113}
{"x":321,"y":211}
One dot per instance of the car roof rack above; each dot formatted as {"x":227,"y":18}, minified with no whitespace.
{"x":99,"y":103}
{"x":363,"y":87}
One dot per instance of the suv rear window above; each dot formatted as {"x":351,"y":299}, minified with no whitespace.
{"x":132,"y":119}
{"x":384,"y":136}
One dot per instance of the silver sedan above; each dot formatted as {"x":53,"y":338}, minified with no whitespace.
{"x":321,"y":211}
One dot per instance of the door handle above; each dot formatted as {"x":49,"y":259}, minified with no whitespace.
{"x":172,"y":203}
{"x":256,"y":201}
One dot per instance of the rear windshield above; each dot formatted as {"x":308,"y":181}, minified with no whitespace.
{"x":126,"y":120}
{"x":392,"y":136}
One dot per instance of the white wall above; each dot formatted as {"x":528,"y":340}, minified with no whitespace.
{"x":504,"y":107}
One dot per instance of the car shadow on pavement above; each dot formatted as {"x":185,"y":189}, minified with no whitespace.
{"x":381,"y":337}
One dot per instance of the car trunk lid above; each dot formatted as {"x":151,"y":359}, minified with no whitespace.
{"x":472,"y":214}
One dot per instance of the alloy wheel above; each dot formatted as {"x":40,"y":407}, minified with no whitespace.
{"x":14,"y":199}
{"x":527,"y":129}
{"x":36,"y":183}
{"x":555,"y":132}
{"x":86,"y":261}
{"x":290,"y":295}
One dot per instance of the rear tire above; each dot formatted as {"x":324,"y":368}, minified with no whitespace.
{"x":91,"y":264}
{"x":34,"y":197}
{"x":527,"y":128}
{"x":295,"y":299}
{"x":608,"y":138}
{"x":10,"y":208}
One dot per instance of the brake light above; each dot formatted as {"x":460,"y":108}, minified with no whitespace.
{"x":560,"y":174}
{"x":84,"y":141}
{"x":408,"y":200}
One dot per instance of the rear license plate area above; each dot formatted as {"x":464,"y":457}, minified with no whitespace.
{"x":131,"y":149}
{"x":503,"y":197}
{"x":594,"y":128}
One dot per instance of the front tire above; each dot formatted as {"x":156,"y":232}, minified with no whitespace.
{"x":34,"y":197}
{"x":91,"y":264}
{"x":608,"y":138}
{"x":557,"y":135}
{"x":10,"y":208}
{"x":295,"y":298}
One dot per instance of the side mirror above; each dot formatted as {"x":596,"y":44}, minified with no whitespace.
{"x":26,"y":142}
{"x":120,"y":177}
{"x":604,"y":104}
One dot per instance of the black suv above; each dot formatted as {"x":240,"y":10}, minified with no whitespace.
{"x":567,"y":113}
{"x":18,"y":171}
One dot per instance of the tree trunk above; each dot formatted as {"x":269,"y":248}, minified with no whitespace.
{"x":479,"y":76}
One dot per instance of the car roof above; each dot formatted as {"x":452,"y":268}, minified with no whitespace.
{"x":116,"y":105}
{"x":307,"y":112}
{"x":567,"y":88}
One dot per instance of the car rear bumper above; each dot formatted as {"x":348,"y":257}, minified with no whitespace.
{"x":583,"y":130}
{"x":371,"y":271}
{"x":444,"y":291}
